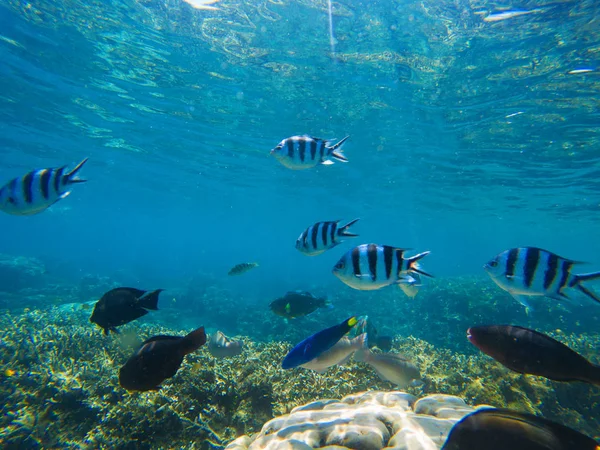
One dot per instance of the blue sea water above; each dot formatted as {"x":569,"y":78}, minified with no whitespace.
{"x":467,"y":137}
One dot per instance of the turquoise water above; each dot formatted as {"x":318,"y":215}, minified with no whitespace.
{"x":467,"y":137}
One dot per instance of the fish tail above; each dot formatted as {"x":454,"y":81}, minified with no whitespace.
{"x":194,"y":340}
{"x":336,"y":150}
{"x":362,"y":341}
{"x":578,"y":279}
{"x":362,"y":355}
{"x":413,"y":264}
{"x":343,"y":231}
{"x":150,"y":299}
{"x":72,"y":177}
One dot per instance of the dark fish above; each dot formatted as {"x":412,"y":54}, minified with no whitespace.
{"x":157,"y":359}
{"x":318,"y":343}
{"x":323,"y":236}
{"x":503,"y":429}
{"x":527,"y":351}
{"x":123,"y":305}
{"x":530,"y":271}
{"x":36,"y":191}
{"x":298,"y":304}
{"x":242,"y":268}
{"x":304,"y":152}
{"x":370,"y":266}
{"x":220,"y":346}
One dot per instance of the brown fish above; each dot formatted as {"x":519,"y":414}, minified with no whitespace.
{"x":502,"y":429}
{"x":527,"y":351}
{"x":157,"y":359}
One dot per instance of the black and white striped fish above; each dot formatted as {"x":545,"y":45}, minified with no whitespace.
{"x":38,"y":190}
{"x":370,"y":266}
{"x":323,"y":236}
{"x":530,"y":271}
{"x":305,"y":152}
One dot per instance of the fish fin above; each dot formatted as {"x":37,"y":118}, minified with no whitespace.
{"x":345,"y":360}
{"x":194,"y":340}
{"x":63,"y":195}
{"x":578,"y":279}
{"x":522,"y":299}
{"x":343,"y":231}
{"x":327,"y":162}
{"x":336,"y":150}
{"x":71,"y":177}
{"x":362,"y":341}
{"x":588,"y":292}
{"x":105,"y":330}
{"x":149,"y":300}
{"x":413,"y":264}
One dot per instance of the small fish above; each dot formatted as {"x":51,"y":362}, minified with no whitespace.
{"x":323,"y":236}
{"x":391,"y":367}
{"x":10,"y":372}
{"x":579,"y":71}
{"x":242,"y":268}
{"x":370,"y":266}
{"x":315,"y":345}
{"x":305,"y":152}
{"x":383,"y":343}
{"x":123,"y":305}
{"x":410,"y":285}
{"x":157,"y":359}
{"x":502,"y":429}
{"x":203,"y":4}
{"x":38,"y":190}
{"x":530,"y":352}
{"x":498,"y":16}
{"x":339,"y":354}
{"x":530,"y":271}
{"x":220,"y":346}
{"x":298,"y":304}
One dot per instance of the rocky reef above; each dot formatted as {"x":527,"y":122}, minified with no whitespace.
{"x":372,"y":420}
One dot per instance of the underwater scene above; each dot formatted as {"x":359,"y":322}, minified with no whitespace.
{"x":300,"y":224}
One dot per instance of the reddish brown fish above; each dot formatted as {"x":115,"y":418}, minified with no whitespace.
{"x":527,"y":351}
{"x":503,"y":429}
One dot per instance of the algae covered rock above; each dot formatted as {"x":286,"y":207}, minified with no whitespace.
{"x":372,"y":420}
{"x":18,"y":272}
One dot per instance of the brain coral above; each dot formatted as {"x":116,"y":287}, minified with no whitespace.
{"x":371,"y":420}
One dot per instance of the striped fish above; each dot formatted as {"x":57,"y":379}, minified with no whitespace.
{"x":323,"y":236}
{"x":241,"y":268}
{"x":530,"y":271}
{"x":305,"y":152}
{"x":370,"y":266}
{"x":38,"y":190}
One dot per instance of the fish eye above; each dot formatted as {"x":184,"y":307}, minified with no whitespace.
{"x":340,"y":265}
{"x":493,"y":263}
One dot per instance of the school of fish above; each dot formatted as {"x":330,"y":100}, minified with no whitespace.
{"x":523,"y":272}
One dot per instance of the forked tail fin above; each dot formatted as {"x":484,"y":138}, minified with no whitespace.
{"x":586,"y":277}
{"x":413,"y":264}
{"x":343,"y":231}
{"x":336,"y":150}
{"x":150,"y":299}
{"x":72,"y":177}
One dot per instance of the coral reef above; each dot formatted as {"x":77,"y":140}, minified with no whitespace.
{"x":60,"y":387}
{"x":18,"y":272}
{"x":371,"y":420}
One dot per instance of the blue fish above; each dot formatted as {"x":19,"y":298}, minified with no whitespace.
{"x":37,"y":190}
{"x":320,"y":342}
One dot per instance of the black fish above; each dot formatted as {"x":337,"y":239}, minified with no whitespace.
{"x":298,"y":304}
{"x":383,"y":343}
{"x":123,"y":305}
{"x":527,"y":351}
{"x":157,"y":359}
{"x":503,"y":429}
